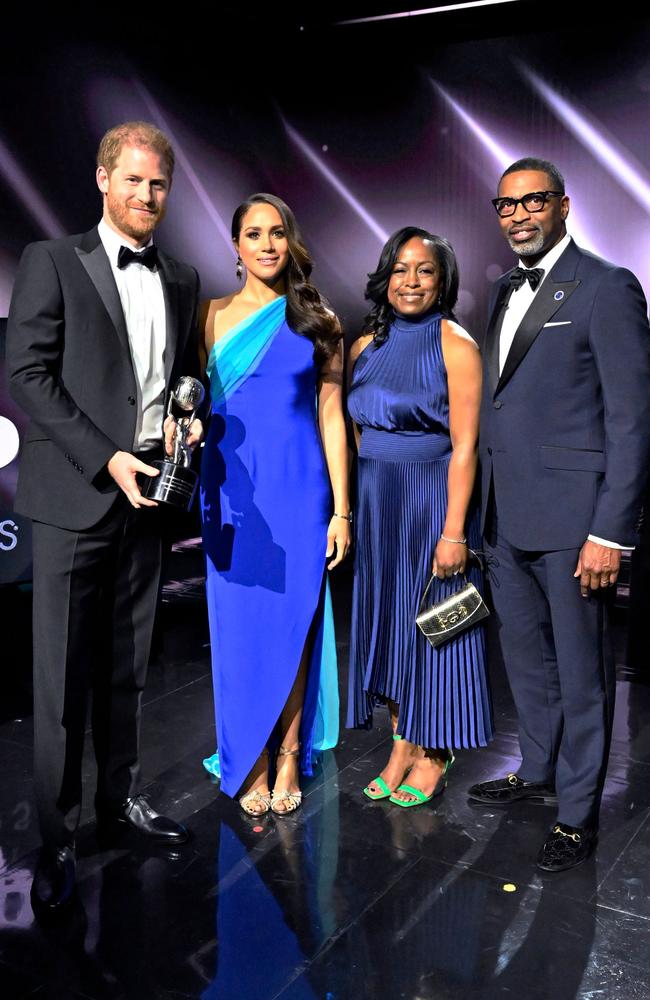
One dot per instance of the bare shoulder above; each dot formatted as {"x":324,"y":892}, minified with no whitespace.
{"x":456,"y":338}
{"x":217,"y":316}
{"x":358,"y":346}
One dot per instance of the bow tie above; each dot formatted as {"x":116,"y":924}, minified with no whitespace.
{"x":531,"y":274}
{"x":148,"y":257}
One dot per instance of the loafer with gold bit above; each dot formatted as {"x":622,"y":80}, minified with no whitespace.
{"x":565,"y":847}
{"x":503,"y":791}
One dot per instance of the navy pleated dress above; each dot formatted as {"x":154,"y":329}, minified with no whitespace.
{"x":398,"y":397}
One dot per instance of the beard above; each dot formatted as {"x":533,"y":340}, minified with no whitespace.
{"x":532,"y":246}
{"x":136,"y":225}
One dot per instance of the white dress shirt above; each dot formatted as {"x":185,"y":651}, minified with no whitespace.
{"x":521,"y":299}
{"x":518,"y":305}
{"x":143,"y":303}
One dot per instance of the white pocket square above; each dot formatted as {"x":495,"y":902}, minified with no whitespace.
{"x":562,"y":322}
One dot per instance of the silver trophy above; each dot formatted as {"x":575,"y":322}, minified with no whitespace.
{"x":176,"y":484}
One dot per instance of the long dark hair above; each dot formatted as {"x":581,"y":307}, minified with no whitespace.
{"x":382,"y":313}
{"x":306,"y":311}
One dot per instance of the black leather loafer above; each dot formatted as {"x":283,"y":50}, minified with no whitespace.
{"x":565,"y":847}
{"x":53,"y":887}
{"x":136,"y":814}
{"x":503,"y":791}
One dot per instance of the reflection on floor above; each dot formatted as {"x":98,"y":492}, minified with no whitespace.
{"x":346,"y":899}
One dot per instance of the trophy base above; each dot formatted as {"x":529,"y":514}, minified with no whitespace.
{"x":175,"y":486}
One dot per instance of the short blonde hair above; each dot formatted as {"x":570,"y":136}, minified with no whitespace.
{"x":141,"y":134}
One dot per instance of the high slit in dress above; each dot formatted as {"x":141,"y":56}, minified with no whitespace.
{"x":265,"y":503}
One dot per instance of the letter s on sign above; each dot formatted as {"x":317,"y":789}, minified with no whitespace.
{"x":8,"y":530}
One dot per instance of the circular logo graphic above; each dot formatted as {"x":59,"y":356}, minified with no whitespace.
{"x":9,"y":441}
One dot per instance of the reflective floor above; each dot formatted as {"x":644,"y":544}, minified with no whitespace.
{"x":346,"y":899}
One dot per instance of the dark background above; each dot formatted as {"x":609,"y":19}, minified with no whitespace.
{"x":362,"y":128}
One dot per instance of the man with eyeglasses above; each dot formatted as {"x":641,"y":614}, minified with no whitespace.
{"x":565,"y":445}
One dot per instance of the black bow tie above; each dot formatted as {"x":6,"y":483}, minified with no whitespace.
{"x":531,"y":274}
{"x":148,"y":257}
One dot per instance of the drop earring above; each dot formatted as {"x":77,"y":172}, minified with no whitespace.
{"x":239,"y":270}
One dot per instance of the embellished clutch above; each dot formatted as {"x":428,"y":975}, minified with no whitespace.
{"x":446,"y":619}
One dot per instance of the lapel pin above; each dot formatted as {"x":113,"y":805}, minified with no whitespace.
{"x":558,"y":296}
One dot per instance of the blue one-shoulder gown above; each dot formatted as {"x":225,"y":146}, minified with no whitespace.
{"x":265,"y":501}
{"x":399,"y":398}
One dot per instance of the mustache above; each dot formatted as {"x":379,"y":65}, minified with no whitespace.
{"x":518,"y":229}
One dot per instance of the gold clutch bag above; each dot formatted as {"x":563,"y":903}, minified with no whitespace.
{"x":446,"y":619}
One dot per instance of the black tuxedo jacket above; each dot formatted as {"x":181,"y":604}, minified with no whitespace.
{"x":70,"y":370}
{"x":565,"y":428}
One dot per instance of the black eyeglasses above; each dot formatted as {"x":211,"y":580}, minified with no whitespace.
{"x":533,"y":202}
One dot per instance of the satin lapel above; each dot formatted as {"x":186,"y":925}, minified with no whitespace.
{"x":93,"y":257}
{"x":492,"y":337}
{"x":546,"y":303}
{"x":170,"y":291}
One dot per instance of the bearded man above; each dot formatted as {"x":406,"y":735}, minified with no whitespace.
{"x":565,"y":444}
{"x":101,"y":326}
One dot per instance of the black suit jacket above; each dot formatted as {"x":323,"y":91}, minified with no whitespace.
{"x":70,"y":370}
{"x":565,"y":428}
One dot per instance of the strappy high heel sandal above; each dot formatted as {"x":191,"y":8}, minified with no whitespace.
{"x":385,"y":792}
{"x":419,"y":798}
{"x":289,"y":801}
{"x":253,"y":799}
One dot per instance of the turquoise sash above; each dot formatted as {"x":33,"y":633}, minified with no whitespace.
{"x":239,"y":352}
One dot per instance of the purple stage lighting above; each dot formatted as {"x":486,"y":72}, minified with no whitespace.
{"x":504,"y":157}
{"x":184,"y":161}
{"x":617,"y":161}
{"x":338,"y":185}
{"x":31,"y":199}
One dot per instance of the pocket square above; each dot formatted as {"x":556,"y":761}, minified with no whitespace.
{"x":562,"y":322}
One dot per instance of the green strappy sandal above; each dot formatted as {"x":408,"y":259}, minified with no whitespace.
{"x":386,"y":792}
{"x":420,"y":797}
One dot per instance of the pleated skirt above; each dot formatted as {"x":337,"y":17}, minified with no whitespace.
{"x":443,"y":693}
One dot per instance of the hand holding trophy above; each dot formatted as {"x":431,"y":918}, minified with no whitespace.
{"x":176,"y":484}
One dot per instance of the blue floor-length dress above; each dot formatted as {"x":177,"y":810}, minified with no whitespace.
{"x":399,"y":397}
{"x":265,"y":502}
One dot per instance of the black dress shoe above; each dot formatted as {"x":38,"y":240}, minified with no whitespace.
{"x":53,"y":888}
{"x":503,"y":791}
{"x":566,"y":847}
{"x":136,"y":814}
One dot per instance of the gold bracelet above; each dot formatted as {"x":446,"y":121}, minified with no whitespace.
{"x":454,"y":541}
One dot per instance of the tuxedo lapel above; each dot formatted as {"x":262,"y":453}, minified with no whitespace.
{"x":553,"y":294}
{"x":93,"y":257}
{"x":492,"y":337}
{"x":170,"y":291}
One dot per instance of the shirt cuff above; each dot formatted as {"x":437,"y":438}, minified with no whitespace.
{"x":610,"y":545}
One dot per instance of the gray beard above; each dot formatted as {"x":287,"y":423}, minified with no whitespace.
{"x":532,"y":246}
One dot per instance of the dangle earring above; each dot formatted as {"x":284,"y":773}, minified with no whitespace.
{"x":239,"y":270}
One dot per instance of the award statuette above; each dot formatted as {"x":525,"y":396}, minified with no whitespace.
{"x":176,"y":484}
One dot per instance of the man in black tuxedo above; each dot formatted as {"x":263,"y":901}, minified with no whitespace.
{"x":101,"y":326}
{"x":565,"y":444}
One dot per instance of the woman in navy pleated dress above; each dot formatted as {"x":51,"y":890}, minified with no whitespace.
{"x":415,"y":387}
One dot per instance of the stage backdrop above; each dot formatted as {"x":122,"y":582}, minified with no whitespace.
{"x":361,"y":128}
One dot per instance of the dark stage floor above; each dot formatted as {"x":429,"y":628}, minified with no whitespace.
{"x":346,"y":899}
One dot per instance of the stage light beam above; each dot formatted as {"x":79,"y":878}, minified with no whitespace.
{"x":617,"y":161}
{"x":426,"y":10}
{"x":504,"y":157}
{"x":338,"y":185}
{"x":35,"y":204}
{"x":500,"y":154}
{"x":186,"y":165}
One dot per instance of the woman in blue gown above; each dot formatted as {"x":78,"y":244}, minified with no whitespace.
{"x":415,"y":386}
{"x":274,"y":468}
